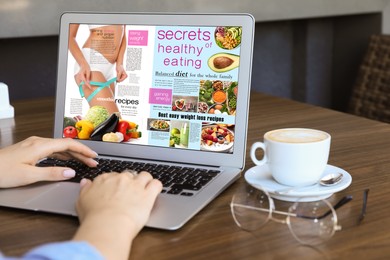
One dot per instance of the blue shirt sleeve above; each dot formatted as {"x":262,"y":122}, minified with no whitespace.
{"x":70,"y":250}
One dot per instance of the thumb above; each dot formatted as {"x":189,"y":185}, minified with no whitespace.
{"x":85,"y":184}
{"x":87,"y":78}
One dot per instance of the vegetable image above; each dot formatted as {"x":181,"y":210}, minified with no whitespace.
{"x":124,"y":128}
{"x":205,"y":92}
{"x":232,"y":97}
{"x":132,"y":125}
{"x":109,"y":125}
{"x":68,"y":121}
{"x":159,"y":124}
{"x":97,"y":115}
{"x":84,"y":129}
{"x":70,"y":132}
{"x":228,"y":37}
{"x":136,"y":134}
{"x":113,"y":137}
{"x":128,"y":129}
{"x":219,"y":96}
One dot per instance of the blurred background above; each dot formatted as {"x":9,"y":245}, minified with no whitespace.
{"x":305,"y":50}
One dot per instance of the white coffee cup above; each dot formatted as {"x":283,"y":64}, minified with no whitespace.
{"x":295,"y":156}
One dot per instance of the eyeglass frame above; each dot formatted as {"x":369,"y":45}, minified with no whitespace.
{"x":332,"y":210}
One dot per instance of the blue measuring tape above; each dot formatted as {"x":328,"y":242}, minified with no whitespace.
{"x":100,"y":86}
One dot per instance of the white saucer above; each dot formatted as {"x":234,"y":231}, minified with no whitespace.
{"x":260,"y":178}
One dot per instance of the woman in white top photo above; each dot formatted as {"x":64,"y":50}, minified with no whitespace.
{"x":99,"y":63}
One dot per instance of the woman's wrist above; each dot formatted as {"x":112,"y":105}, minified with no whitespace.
{"x":115,"y":217}
{"x":98,"y":228}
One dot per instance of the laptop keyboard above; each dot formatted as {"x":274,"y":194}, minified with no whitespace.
{"x":185,"y":181}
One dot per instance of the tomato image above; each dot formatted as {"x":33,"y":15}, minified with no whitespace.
{"x":70,"y":132}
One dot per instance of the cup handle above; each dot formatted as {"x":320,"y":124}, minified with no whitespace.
{"x":254,"y":147}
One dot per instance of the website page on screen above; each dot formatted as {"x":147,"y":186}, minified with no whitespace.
{"x":153,"y":85}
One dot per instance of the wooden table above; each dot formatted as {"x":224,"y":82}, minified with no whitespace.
{"x":360,"y":146}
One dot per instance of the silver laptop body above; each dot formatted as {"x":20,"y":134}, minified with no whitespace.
{"x":167,"y":35}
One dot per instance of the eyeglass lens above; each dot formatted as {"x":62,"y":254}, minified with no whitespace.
{"x":312,"y":224}
{"x":251,"y":210}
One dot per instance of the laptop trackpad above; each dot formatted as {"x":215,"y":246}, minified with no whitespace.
{"x":60,"y":198}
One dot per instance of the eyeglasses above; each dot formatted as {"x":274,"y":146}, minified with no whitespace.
{"x":364,"y":206}
{"x":310,"y":223}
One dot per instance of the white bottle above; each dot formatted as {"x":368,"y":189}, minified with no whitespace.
{"x":6,"y":110}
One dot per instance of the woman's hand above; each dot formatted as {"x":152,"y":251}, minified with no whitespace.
{"x":17,"y":162}
{"x":113,"y":209}
{"x":121,"y":74}
{"x":83,"y":75}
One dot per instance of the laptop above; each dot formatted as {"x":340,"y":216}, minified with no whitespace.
{"x":183,"y":91}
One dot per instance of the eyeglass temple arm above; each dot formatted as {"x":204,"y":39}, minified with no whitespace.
{"x":340,"y":203}
{"x":343,"y":201}
{"x":363,"y":212}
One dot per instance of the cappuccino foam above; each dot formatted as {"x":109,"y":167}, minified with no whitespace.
{"x":296,"y":136}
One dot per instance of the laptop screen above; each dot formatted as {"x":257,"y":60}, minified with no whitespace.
{"x":157,"y":86}
{"x":167,"y":86}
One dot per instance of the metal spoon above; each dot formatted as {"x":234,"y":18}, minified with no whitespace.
{"x":331,"y":179}
{"x":328,"y":180}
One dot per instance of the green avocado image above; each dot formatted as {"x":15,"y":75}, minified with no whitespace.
{"x":222,"y":62}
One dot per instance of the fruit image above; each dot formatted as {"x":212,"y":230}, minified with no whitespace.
{"x":175,"y":131}
{"x":179,"y":103}
{"x":222,"y":62}
{"x":175,"y":137}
